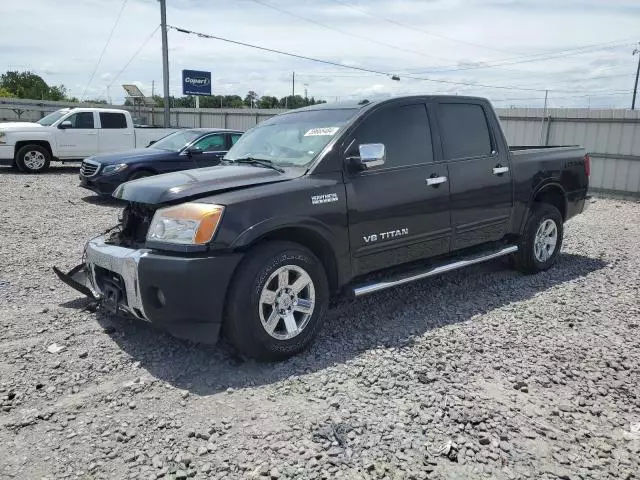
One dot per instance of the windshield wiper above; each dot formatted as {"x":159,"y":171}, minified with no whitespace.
{"x":257,"y":161}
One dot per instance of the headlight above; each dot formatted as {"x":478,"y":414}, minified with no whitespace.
{"x":3,"y":137}
{"x":111,"y":169}
{"x":186,"y":224}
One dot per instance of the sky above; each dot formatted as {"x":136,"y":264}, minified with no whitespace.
{"x":510,"y":51}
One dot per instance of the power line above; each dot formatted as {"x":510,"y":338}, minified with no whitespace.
{"x":425,"y":32}
{"x":336,"y":64}
{"x":530,"y":59}
{"x":529,"y":75}
{"x":362,"y":69}
{"x":104,"y":49}
{"x":137,"y":52}
{"x":272,"y":50}
{"x":520,"y":59}
{"x":616,"y":93}
{"x":522,"y":73}
{"x":344,"y":32}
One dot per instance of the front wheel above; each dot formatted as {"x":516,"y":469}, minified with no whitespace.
{"x":541,"y":240}
{"x":33,"y":159}
{"x":277,"y":301}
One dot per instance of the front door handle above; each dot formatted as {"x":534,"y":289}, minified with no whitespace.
{"x":499,"y":170}
{"x":434,"y":181}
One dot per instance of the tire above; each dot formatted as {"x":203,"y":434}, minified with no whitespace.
{"x":33,"y":159}
{"x":258,"y":285}
{"x":139,"y":174}
{"x":536,"y":248}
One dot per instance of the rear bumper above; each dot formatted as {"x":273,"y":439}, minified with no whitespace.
{"x":576,"y":202}
{"x":183,"y":295}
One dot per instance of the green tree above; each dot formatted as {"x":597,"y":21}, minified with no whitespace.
{"x":30,"y":85}
{"x":4,"y":93}
{"x":291,"y":101}
{"x":268,"y":102}
{"x":251,"y":99}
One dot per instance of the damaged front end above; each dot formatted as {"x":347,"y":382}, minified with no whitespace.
{"x":109,"y":274}
{"x":78,"y":279}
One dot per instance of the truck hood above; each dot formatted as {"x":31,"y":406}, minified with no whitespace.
{"x":19,"y":127}
{"x":131,"y":156}
{"x":199,"y":182}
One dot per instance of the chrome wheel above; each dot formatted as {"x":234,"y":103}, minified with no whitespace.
{"x":546,"y":240}
{"x":34,"y":160}
{"x":287,"y":302}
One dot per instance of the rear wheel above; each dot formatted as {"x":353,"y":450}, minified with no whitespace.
{"x":33,"y":159}
{"x":541,"y":241}
{"x":277,"y":301}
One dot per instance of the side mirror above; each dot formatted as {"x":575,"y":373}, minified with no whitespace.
{"x":194,"y":151}
{"x":370,"y":155}
{"x":66,"y":124}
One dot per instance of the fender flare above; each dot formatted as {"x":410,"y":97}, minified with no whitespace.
{"x":44,"y":142}
{"x":548,"y":184}
{"x":271,"y":225}
{"x":321,"y":232}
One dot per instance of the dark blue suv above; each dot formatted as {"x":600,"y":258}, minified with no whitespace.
{"x":181,"y":150}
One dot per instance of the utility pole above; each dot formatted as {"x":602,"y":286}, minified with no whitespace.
{"x":544,"y":115}
{"x":635,"y":88}
{"x":153,"y":102}
{"x":165,"y":62}
{"x":293,"y":84}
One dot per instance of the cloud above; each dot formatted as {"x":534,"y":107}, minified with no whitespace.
{"x":66,"y":39}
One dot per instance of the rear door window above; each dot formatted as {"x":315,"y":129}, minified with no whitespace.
{"x":404,"y":131}
{"x":464,"y":130}
{"x":113,"y":120}
{"x":81,"y":120}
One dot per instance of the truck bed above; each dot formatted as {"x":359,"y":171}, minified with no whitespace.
{"x":521,"y":148}
{"x":542,"y":153}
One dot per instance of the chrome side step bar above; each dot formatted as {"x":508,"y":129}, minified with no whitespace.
{"x":365,"y":289}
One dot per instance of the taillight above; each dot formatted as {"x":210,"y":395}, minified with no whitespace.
{"x":587,"y":165}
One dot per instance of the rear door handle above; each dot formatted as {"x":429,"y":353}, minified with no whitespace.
{"x":436,"y":180}
{"x":500,"y":170}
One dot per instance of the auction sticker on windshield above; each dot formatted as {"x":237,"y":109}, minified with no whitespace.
{"x":318,"y":132}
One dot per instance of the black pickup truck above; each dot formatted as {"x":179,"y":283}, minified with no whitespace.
{"x":309,"y":203}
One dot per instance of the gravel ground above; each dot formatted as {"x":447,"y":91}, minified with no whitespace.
{"x":482,"y":373}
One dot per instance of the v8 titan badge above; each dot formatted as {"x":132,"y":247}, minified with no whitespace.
{"x":374,"y":237}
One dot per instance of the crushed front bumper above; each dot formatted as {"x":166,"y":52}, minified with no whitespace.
{"x":184,"y":295}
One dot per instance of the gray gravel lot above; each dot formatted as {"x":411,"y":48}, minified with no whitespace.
{"x":482,"y":373}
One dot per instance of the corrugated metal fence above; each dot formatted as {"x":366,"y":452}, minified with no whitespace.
{"x":612,"y":137}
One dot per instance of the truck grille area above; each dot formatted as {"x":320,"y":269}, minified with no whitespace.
{"x":88,"y":169}
{"x":134,"y":225}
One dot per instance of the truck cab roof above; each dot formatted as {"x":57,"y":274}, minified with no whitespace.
{"x":364,"y":103}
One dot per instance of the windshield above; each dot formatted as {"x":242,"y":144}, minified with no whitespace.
{"x":292,"y":138}
{"x":174,"y":142}
{"x":52,"y":117}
